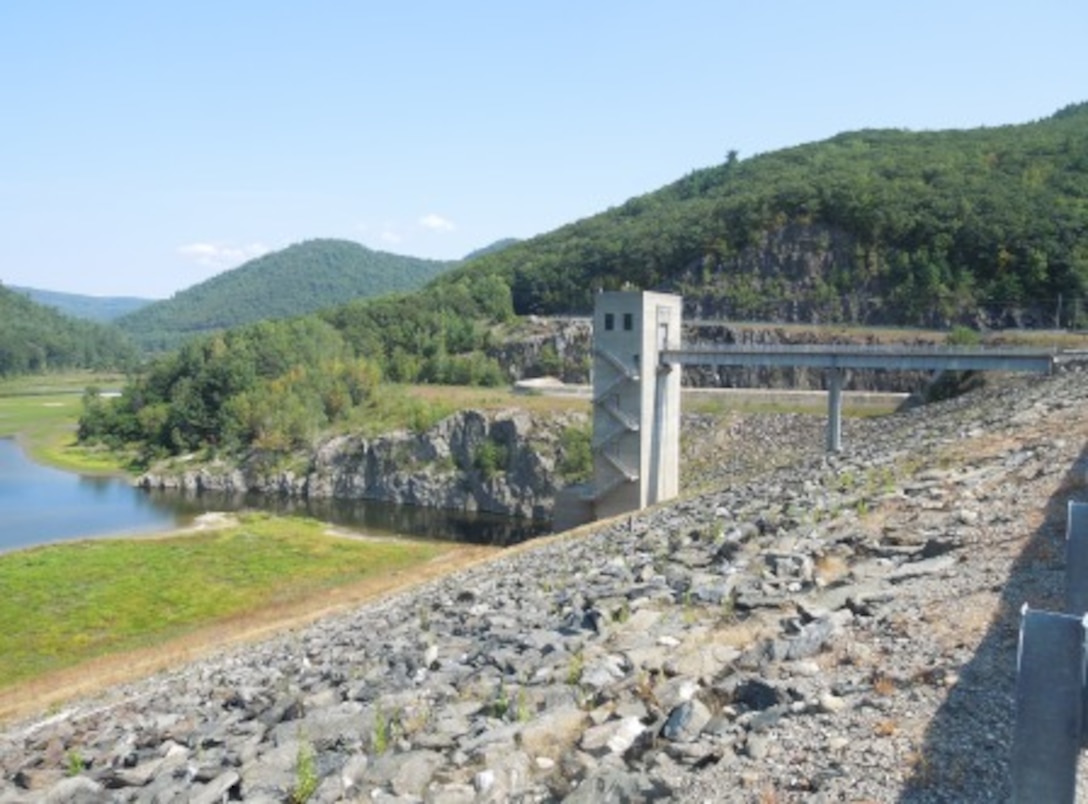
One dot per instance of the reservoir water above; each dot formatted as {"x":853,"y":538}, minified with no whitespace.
{"x":40,"y":504}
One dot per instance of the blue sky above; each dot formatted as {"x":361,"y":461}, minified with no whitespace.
{"x":147,"y":146}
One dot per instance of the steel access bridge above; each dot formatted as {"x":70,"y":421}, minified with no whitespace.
{"x":836,"y":359}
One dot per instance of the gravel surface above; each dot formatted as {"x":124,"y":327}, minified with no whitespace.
{"x":808,"y":628}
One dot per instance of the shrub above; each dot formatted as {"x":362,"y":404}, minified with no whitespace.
{"x":575,"y":463}
{"x":305,"y":774}
{"x":490,"y":458}
{"x":963,"y":336}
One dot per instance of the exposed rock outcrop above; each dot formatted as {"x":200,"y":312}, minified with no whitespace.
{"x":793,"y":377}
{"x":815,"y":273}
{"x":496,"y":462}
{"x":558,"y":347}
{"x":562,"y":348}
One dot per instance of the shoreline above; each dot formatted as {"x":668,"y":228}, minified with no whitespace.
{"x":65,"y":688}
{"x":841,"y":627}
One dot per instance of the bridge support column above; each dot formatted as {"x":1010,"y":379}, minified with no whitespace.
{"x":834,"y":410}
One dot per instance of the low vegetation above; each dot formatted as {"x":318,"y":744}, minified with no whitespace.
{"x":576,"y":461}
{"x":67,"y":603}
{"x":42,"y":412}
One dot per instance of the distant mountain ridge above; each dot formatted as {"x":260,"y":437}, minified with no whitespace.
{"x":35,"y":338}
{"x":985,"y":226}
{"x":92,"y":308}
{"x":299,"y":279}
{"x":494,"y":248}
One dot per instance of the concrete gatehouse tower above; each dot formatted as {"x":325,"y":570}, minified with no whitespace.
{"x":636,"y":401}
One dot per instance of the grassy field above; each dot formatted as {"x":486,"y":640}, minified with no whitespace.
{"x":77,"y":615}
{"x":72,"y":382}
{"x":65,"y":604}
{"x":461,"y":397}
{"x":720,"y":401}
{"x":42,"y":412}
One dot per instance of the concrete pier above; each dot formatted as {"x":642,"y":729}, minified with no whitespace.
{"x":834,"y":410}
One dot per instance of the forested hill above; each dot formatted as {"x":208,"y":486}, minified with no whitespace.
{"x":878,"y":226}
{"x":871,"y":226}
{"x":92,"y":308}
{"x":493,"y":248}
{"x":299,"y":279}
{"x":34,"y":338}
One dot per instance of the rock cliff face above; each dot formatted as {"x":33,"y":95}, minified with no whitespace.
{"x":548,"y":347}
{"x":502,"y":463}
{"x":563,"y":348}
{"x":792,"y":377}
{"x":813,"y":273}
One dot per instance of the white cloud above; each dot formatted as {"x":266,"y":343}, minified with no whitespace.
{"x":218,"y":255}
{"x":436,"y":223}
{"x":389,"y":236}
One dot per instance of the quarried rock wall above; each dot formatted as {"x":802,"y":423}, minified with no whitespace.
{"x":495,"y":462}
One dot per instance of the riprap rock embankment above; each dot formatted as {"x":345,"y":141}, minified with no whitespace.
{"x":840,"y":629}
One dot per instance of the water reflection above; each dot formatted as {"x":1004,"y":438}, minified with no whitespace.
{"x":368,"y":516}
{"x":96,"y":485}
{"x":39,"y":504}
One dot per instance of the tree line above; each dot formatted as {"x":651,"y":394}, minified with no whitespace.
{"x":36,"y":339}
{"x":888,"y":227}
{"x":894,"y":225}
{"x":270,"y":385}
{"x":278,"y":385}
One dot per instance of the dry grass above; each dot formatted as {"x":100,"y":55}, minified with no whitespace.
{"x":742,"y":634}
{"x":830,"y":568}
{"x":884,"y":685}
{"x":461,"y":397}
{"x":885,"y":728}
{"x":827,"y":333}
{"x":1038,"y":339}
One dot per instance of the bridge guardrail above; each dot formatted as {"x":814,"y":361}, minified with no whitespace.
{"x":857,"y":348}
{"x":1051,"y":723}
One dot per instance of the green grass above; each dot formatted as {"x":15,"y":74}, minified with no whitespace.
{"x":43,"y":412}
{"x":755,"y":401}
{"x":73,"y":382}
{"x":459,"y":397}
{"x":67,"y":603}
{"x":64,"y":604}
